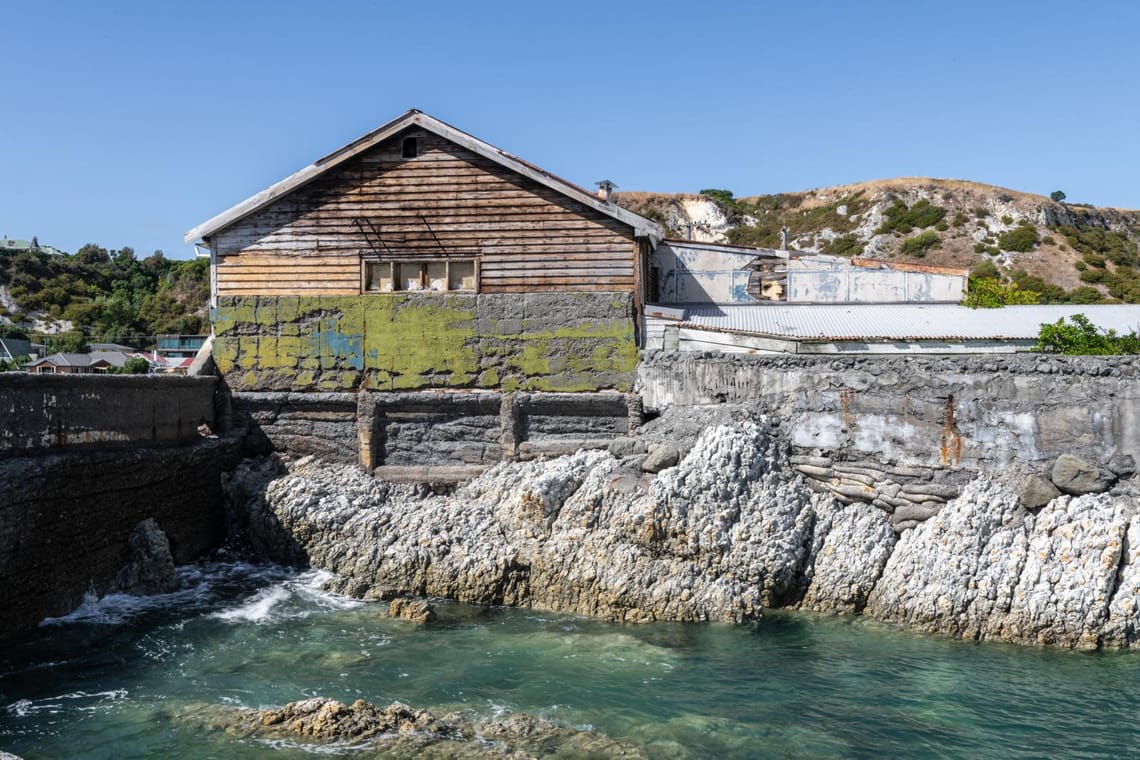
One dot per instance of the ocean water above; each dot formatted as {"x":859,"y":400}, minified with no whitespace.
{"x":140,"y":677}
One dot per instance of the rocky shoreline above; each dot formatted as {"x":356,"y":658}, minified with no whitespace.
{"x":731,"y":529}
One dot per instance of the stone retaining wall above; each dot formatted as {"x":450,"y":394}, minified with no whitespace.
{"x":433,"y":428}
{"x":66,"y":412}
{"x":414,"y":341}
{"x":65,"y":519}
{"x":905,"y":432}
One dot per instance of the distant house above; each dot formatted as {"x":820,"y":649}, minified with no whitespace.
{"x":96,"y":362}
{"x":178,"y":346}
{"x":14,"y":348}
{"x":419,"y":256}
{"x":11,"y":245}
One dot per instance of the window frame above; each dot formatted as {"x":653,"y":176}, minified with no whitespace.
{"x":392,"y":265}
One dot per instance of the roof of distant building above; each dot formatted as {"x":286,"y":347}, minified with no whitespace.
{"x":887,"y":322}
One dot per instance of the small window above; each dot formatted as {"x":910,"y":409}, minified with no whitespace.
{"x":439,"y":275}
{"x":411,"y":147}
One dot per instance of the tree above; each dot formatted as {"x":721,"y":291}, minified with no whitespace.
{"x":1057,"y":196}
{"x":70,"y":342}
{"x":136,"y":365}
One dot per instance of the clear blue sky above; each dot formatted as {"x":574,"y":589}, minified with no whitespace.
{"x":128,"y":123}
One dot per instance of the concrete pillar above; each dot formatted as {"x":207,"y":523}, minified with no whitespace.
{"x":510,"y":426}
{"x":366,"y":430}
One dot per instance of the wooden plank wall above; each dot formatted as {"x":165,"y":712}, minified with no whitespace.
{"x":527,"y":237}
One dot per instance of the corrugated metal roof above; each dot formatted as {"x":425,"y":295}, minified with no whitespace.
{"x":901,"y":321}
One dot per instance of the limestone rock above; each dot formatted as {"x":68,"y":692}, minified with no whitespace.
{"x":401,"y":731}
{"x":733,"y":528}
{"x":1074,"y":475}
{"x":416,"y":610}
{"x":149,"y":568}
{"x":625,"y":446}
{"x":1038,"y":491}
{"x":1122,"y":465}
{"x":661,"y":456}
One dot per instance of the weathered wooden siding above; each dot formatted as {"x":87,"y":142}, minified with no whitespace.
{"x":526,"y":236}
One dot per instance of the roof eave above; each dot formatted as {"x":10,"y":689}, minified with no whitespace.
{"x":642,"y":227}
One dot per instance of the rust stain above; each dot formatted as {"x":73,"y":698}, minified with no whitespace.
{"x":951,"y":449}
{"x":845,"y":399}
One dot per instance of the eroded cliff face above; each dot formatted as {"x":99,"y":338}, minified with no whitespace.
{"x":730,"y":530}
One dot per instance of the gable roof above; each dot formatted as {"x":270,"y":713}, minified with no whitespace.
{"x":642,"y":227}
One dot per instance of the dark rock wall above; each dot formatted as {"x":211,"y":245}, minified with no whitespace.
{"x":66,"y":519}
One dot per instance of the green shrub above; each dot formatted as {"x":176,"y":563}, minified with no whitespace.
{"x":959,"y":219}
{"x":985,"y":270}
{"x":942,"y":226}
{"x":1048,"y":240}
{"x":1094,"y":260}
{"x":844,"y":245}
{"x":1082,"y":337}
{"x":136,"y":365}
{"x":904,"y":219}
{"x":979,"y":247}
{"x":918,"y":245}
{"x":980,"y":212}
{"x":992,"y":293}
{"x":1006,"y":219}
{"x":1080,"y":266}
{"x":1020,"y":239}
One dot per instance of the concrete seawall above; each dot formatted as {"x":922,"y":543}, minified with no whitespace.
{"x":83,"y":460}
{"x":67,"y":412}
{"x":942,"y":412}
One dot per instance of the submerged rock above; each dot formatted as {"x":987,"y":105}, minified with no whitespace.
{"x":414,"y":610}
{"x":401,"y":731}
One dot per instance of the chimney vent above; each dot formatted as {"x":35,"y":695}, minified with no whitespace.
{"x":605,"y":189}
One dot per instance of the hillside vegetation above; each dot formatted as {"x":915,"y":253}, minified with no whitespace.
{"x":101,"y":295}
{"x":1065,"y":253}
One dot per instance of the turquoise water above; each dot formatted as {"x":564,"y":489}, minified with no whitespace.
{"x":128,"y":677}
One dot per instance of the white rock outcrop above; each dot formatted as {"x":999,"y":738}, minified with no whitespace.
{"x":730,"y":530}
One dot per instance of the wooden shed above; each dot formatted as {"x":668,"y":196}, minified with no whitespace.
{"x":420,"y":205}
{"x":419,"y":257}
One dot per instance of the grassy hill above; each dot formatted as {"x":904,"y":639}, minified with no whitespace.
{"x":1066,"y":252}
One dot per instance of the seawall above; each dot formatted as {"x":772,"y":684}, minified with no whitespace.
{"x":84,"y":460}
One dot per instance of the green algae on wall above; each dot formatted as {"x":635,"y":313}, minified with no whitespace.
{"x":410,"y":341}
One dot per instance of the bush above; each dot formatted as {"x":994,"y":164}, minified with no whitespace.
{"x":942,"y":226}
{"x":844,"y":245}
{"x":904,"y":219}
{"x":136,"y":365}
{"x":1006,"y":219}
{"x":918,"y":245}
{"x":991,"y":293}
{"x":985,"y":270}
{"x":1082,"y":337}
{"x":959,"y":219}
{"x":1057,"y":196}
{"x":1020,"y":239}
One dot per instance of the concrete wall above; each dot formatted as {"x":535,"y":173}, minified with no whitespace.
{"x":54,"y":412}
{"x":842,"y":283}
{"x":65,"y":519}
{"x":692,"y":272}
{"x":967,"y":412}
{"x":411,"y":341}
{"x":433,"y":428}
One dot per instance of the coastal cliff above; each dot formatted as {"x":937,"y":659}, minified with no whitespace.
{"x":730,"y":530}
